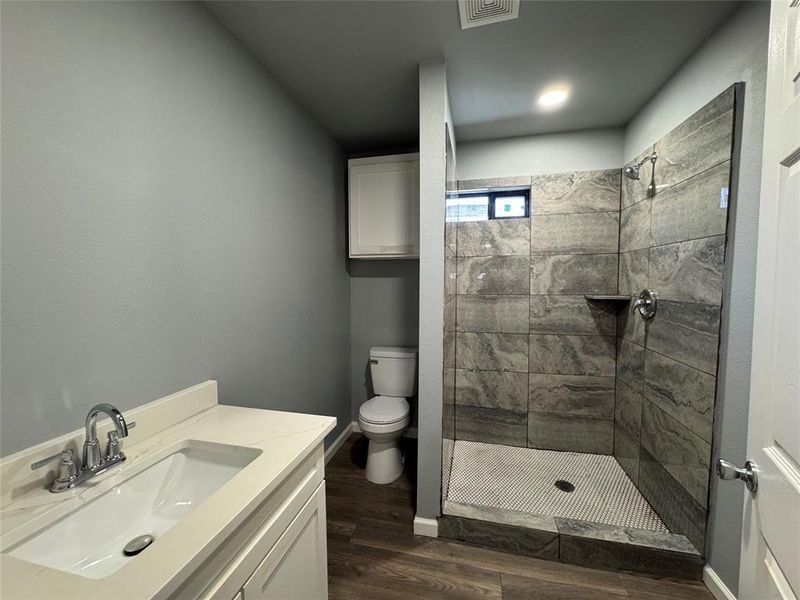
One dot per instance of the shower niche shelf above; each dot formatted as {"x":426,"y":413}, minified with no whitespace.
{"x":607,"y":298}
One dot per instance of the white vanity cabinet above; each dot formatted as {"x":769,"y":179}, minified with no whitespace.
{"x":296,"y":566}
{"x":384,"y":206}
{"x":280,"y":550}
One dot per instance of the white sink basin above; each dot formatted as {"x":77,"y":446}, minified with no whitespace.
{"x":89,"y":541}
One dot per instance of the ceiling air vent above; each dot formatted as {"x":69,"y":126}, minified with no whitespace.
{"x":475,"y":13}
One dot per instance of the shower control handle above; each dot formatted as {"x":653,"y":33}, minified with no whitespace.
{"x":749,"y":473}
{"x":646,"y":304}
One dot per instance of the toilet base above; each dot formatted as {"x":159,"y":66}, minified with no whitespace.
{"x":384,"y":462}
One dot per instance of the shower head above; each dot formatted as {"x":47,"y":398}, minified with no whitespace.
{"x":632,"y":171}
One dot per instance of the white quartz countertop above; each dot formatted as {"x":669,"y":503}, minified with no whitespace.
{"x":285,"y":439}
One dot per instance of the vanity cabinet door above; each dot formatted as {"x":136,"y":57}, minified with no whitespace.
{"x":296,"y":567}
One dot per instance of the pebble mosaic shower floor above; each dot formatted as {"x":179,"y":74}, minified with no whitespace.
{"x":523,"y":479}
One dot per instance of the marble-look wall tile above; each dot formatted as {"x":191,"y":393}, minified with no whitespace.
{"x":494,"y":182}
{"x":448,"y":385}
{"x":450,"y":244}
{"x":492,"y":389}
{"x":687,"y":332}
{"x":685,"y":455}
{"x":628,"y":409}
{"x":448,"y":422}
{"x":692,"y":209}
{"x":633,"y":271}
{"x":626,"y":451}
{"x":586,"y":233}
{"x":450,"y":277}
{"x":573,"y":354}
{"x":493,"y":275}
{"x":449,"y":343}
{"x":492,"y":351}
{"x":630,"y":364}
{"x":631,"y":326}
{"x":679,"y":511}
{"x":689,"y":271}
{"x":573,"y":274}
{"x":576,"y":192}
{"x":572,"y":315}
{"x":516,"y":540}
{"x":634,"y":190}
{"x":699,"y":143}
{"x":682,"y":392}
{"x":634,"y":229}
{"x":491,"y":425}
{"x":495,"y":314}
{"x":572,"y":394}
{"x":572,"y":433}
{"x":450,"y":314}
{"x":499,"y":237}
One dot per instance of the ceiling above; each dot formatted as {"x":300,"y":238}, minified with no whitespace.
{"x":353,"y":65}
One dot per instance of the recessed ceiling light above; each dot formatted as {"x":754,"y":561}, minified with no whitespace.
{"x":553,"y":97}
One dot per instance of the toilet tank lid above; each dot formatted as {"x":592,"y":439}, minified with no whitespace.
{"x":392,"y":352}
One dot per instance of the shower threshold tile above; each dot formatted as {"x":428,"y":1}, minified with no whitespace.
{"x":510,"y":480}
{"x":500,"y":515}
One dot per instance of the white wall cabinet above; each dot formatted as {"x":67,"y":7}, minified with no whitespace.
{"x":384,"y":206}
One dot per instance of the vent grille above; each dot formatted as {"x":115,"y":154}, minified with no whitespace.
{"x":475,"y":13}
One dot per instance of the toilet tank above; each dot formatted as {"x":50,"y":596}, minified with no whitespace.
{"x":394,"y":371}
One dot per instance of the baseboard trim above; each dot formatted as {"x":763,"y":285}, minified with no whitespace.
{"x":337,"y":443}
{"x":356,"y":428}
{"x":715,"y":585}
{"x":426,"y":527}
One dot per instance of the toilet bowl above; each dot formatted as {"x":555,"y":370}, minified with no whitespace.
{"x":383,"y":420}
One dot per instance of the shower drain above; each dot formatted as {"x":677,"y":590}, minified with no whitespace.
{"x":564,"y":486}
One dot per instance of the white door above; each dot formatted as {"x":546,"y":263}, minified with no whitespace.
{"x":770,"y":565}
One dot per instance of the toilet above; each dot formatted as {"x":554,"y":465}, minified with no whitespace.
{"x":384,"y":418}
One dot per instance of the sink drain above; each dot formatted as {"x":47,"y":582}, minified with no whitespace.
{"x":137,"y":544}
{"x":564,"y":486}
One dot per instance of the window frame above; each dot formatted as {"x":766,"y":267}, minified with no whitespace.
{"x":494,"y":194}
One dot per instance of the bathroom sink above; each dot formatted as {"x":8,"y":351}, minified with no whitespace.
{"x":90,"y":540}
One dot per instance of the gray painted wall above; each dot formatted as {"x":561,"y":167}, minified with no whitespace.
{"x":384,"y":311}
{"x":736,"y":52}
{"x":169,"y":215}
{"x":593,"y":150}
{"x":433,"y":119}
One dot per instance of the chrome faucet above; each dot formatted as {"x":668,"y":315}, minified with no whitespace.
{"x":92,"y":458}
{"x":94,"y":463}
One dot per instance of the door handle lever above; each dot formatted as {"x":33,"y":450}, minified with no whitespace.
{"x":749,"y":473}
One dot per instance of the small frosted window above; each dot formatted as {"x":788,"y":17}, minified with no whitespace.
{"x":468,"y":208}
{"x":485,"y":205}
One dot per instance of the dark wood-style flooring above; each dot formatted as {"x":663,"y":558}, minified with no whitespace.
{"x":373,"y":554}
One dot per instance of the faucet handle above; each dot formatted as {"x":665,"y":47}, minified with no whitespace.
{"x":64,"y":455}
{"x":67,"y":468}
{"x":113,"y":449}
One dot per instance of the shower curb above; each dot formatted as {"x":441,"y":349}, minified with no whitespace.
{"x":573,"y":541}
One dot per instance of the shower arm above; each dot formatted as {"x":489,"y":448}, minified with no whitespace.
{"x":652,"y":158}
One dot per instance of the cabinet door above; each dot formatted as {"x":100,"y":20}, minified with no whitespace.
{"x":384,"y":206}
{"x":296,"y":567}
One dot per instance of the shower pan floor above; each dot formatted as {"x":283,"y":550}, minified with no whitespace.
{"x":524,"y":480}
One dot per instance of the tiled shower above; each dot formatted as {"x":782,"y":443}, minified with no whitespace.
{"x":549,"y":373}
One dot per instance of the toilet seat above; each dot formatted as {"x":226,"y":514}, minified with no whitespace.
{"x":384,"y":410}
